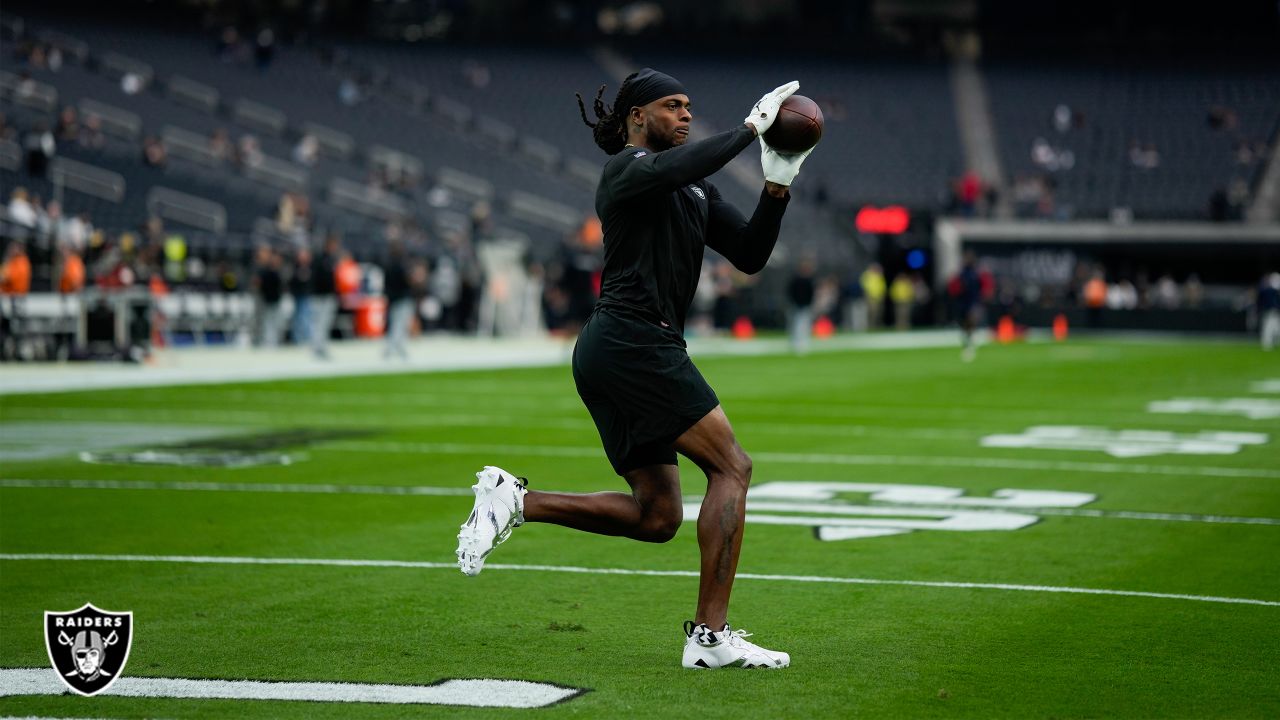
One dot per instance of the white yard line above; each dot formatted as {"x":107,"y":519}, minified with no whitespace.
{"x":332,"y":562}
{"x":470,"y":693}
{"x":489,"y":451}
{"x":462,"y":491}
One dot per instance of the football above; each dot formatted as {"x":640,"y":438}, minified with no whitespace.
{"x":798,"y":127}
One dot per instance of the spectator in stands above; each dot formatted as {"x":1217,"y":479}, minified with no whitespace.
{"x":968,"y":193}
{"x":873,"y":288}
{"x":1095,"y":296}
{"x":269,"y":286}
{"x":800,"y":291}
{"x":307,"y":151}
{"x":71,"y":276}
{"x":854,"y":301}
{"x":15,"y":274}
{"x":1167,"y":294}
{"x":7,"y":131}
{"x":21,"y":211}
{"x":301,"y":282}
{"x":264,"y":50}
{"x":132,"y":83}
{"x":40,"y":147}
{"x":1062,"y":118}
{"x":481,"y":220}
{"x":1193,"y":291}
{"x":220,"y":145}
{"x":902,"y":293}
{"x":324,"y":295}
{"x":67,"y":128}
{"x":1122,"y":295}
{"x":91,"y":136}
{"x":228,"y":46}
{"x":1268,"y":305}
{"x":398,"y":286}
{"x":349,"y":92}
{"x":1144,"y":156}
{"x":248,"y":152}
{"x":153,"y":152}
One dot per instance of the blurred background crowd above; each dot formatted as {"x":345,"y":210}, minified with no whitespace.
{"x":299,"y":172}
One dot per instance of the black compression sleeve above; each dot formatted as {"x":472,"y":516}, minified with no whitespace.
{"x":641,"y":171}
{"x":746,"y":243}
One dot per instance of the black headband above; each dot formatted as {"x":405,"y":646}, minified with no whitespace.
{"x":649,"y":85}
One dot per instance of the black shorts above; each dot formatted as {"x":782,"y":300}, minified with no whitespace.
{"x":640,"y":387}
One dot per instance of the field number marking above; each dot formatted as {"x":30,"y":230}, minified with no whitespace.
{"x":470,"y":693}
{"x":1126,"y":443}
{"x":1252,"y":408}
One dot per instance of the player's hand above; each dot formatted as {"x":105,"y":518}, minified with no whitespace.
{"x":780,"y":167}
{"x":765,"y":111}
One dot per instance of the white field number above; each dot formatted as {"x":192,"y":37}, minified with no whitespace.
{"x":1252,"y":408}
{"x":902,"y":508}
{"x":1126,"y":443}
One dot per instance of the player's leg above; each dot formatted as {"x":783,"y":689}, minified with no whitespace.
{"x":711,"y":642}
{"x":651,"y":512}
{"x":711,"y":445}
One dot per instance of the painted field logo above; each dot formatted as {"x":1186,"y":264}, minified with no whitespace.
{"x":88,"y":647}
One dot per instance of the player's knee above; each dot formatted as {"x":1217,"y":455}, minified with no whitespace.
{"x":739,"y":470}
{"x":660,"y":528}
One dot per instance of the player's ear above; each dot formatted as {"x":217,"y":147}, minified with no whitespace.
{"x":635,"y":117}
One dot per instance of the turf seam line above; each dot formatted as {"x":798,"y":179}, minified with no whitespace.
{"x":338,"y":562}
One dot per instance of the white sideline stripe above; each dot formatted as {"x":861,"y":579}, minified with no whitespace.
{"x":338,"y":562}
{"x":306,"y":488}
{"x":426,"y":490}
{"x":824,"y":459}
{"x":471,"y":693}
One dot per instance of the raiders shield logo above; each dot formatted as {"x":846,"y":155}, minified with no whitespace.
{"x":88,"y":647}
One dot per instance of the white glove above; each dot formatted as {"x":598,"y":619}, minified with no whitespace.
{"x":780,"y":167}
{"x":766,"y":110}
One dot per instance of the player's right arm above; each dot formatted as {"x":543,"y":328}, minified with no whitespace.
{"x":637,"y":171}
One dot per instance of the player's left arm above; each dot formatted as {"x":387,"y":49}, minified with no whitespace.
{"x":746,"y":243}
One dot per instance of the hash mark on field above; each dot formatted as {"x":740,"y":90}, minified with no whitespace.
{"x":420,"y":565}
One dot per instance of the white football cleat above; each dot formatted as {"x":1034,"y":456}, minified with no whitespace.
{"x":706,"y":648}
{"x":499,"y":507}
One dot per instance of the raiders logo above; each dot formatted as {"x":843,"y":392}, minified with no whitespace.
{"x":88,"y":647}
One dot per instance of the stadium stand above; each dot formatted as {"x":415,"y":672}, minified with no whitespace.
{"x":1158,"y":138}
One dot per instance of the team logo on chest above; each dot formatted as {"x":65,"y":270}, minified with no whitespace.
{"x":88,"y":647}
{"x":698,"y":191}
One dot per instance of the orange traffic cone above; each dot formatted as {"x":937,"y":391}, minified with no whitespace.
{"x":1005,"y":332}
{"x":1060,"y":327}
{"x":743,"y":329}
{"x":823,"y":327}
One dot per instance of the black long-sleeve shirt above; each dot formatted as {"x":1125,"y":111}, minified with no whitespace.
{"x":658,"y":212}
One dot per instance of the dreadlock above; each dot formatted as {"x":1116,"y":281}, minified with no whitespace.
{"x":610,"y":129}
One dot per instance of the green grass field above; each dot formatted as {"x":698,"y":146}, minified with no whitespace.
{"x":1167,"y":520}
